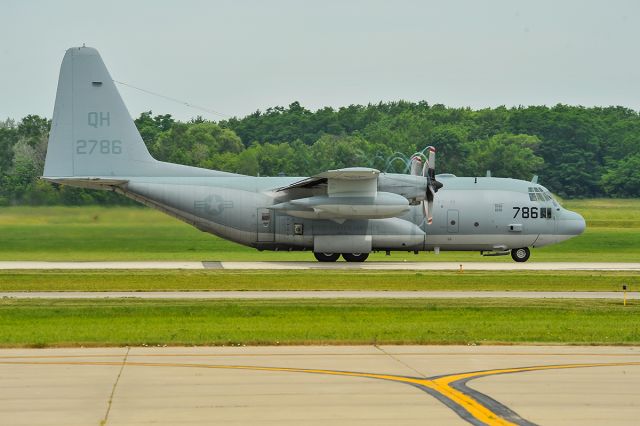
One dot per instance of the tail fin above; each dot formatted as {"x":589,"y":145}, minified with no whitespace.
{"x":92,"y":133}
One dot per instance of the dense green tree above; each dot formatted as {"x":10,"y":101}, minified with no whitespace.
{"x":576,"y":151}
{"x":8,"y":138}
{"x":505,"y":155}
{"x":151,"y":127}
{"x":623,"y":179}
{"x":195,"y":144}
{"x":450,"y":142}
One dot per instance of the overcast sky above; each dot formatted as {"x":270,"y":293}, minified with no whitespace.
{"x":238,"y":56}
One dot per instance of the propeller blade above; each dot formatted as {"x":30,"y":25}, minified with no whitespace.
{"x":427,"y":207}
{"x":432,"y":158}
{"x":428,"y":171}
{"x":425,"y":169}
{"x":416,"y":166}
{"x":434,"y":185}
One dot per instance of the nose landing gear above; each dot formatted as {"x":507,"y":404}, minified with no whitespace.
{"x":520,"y":254}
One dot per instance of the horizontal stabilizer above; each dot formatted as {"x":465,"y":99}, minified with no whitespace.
{"x":91,"y":183}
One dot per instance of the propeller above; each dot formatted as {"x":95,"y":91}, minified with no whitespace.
{"x":427,"y":170}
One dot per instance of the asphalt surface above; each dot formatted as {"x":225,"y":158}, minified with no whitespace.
{"x":400,"y":266}
{"x":303,"y":294}
{"x":319,"y":385}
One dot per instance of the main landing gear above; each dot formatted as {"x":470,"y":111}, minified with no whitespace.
{"x":326,"y":257}
{"x":355,"y":257}
{"x":349,"y":257}
{"x":520,"y":254}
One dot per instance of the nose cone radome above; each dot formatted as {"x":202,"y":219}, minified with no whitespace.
{"x":572,"y":223}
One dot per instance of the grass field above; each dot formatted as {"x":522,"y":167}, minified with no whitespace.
{"x":184,"y":280}
{"x":29,"y":323}
{"x":97,"y":233}
{"x":94,"y":233}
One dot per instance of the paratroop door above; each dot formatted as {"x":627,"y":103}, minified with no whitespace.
{"x":266,"y":225}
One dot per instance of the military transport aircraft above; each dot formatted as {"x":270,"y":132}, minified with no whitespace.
{"x":350,"y":212}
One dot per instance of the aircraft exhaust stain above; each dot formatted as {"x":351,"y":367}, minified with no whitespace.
{"x":472,"y":406}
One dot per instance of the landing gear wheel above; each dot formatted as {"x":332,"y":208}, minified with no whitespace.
{"x":520,"y":254}
{"x":355,"y":257}
{"x":326,"y":257}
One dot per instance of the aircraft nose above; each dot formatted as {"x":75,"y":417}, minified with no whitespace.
{"x":572,"y":223}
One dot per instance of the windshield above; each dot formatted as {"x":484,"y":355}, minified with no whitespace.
{"x":542,"y":194}
{"x":549,"y":196}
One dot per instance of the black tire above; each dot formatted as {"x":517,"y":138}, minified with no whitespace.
{"x":355,"y":257}
{"x":326,"y":257}
{"x":520,"y":254}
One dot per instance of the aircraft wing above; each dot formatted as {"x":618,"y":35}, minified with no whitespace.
{"x":359,"y":180}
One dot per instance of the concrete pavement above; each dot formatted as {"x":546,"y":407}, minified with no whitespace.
{"x":310,"y":385}
{"x":386,"y":266}
{"x":319,"y":294}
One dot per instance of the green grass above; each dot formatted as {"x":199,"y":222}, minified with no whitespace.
{"x":607,"y":212}
{"x":118,"y":233}
{"x":94,"y":233}
{"x":43,"y":323}
{"x":149,"y":280}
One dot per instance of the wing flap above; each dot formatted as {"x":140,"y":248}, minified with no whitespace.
{"x":353,"y":180}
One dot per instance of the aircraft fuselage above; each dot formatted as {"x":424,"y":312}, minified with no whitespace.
{"x":480,"y":214}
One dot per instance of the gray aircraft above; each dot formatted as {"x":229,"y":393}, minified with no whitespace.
{"x":350,"y":212}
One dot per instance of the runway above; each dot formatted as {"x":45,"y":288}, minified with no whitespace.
{"x":311,"y":385}
{"x":369,"y":266}
{"x":320,"y":294}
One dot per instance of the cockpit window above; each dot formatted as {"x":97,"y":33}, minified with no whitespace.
{"x":537,"y":193}
{"x":549,"y":197}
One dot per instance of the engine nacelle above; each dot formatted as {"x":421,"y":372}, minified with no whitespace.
{"x":413,"y":188}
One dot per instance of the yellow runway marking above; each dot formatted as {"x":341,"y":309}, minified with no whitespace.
{"x":443,"y":386}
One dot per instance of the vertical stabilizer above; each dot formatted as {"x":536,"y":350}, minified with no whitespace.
{"x":92,"y":133}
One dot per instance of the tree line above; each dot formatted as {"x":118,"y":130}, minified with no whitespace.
{"x":575,"y":151}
